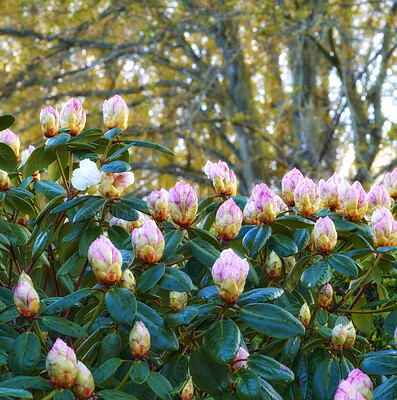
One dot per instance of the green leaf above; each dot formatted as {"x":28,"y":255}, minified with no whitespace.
{"x":42,"y":241}
{"x":139,"y":372}
{"x":90,"y":234}
{"x":295,"y":274}
{"x":21,"y":382}
{"x":172,"y":241}
{"x":59,"y":139}
{"x":386,"y":249}
{"x":326,"y":379}
{"x":25,"y":353}
{"x":77,"y":229}
{"x":282,"y":245}
{"x":149,"y":145}
{"x":64,"y":395}
{"x":248,"y":385}
{"x":260,"y":295}
{"x":121,"y":305}
{"x":123,"y":211}
{"x":20,"y":393}
{"x":316,"y":275}
{"x":112,"y":133}
{"x":49,"y":189}
{"x":6,"y":120}
{"x":104,"y":371}
{"x":271,"y":321}
{"x":344,"y":265}
{"x":68,"y":301}
{"x":295,"y":221}
{"x":159,"y":385}
{"x":291,"y":348}
{"x":183,"y":317}
{"x":270,"y":369}
{"x":380,"y":365}
{"x":255,"y":240}
{"x":69,"y":264}
{"x":135,"y":203}
{"x":176,"y":280}
{"x":110,"y":394}
{"x":203,"y":251}
{"x":67,"y":205}
{"x":149,"y":278}
{"x":64,"y":326}
{"x":387,"y":390}
{"x":116,"y":167}
{"x":87,"y":136}
{"x":221,"y":341}
{"x":89,"y":210}
{"x":208,"y":376}
{"x":8,"y":160}
{"x":176,"y":369}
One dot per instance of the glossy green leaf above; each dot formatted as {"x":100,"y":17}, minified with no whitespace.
{"x":68,"y":301}
{"x":387,"y":390}
{"x":260,"y":295}
{"x":255,"y":240}
{"x":326,"y":379}
{"x":49,"y":188}
{"x":64,"y":326}
{"x":316,"y":275}
{"x":149,"y":145}
{"x":203,"y":251}
{"x":8,"y":160}
{"x":116,"y":167}
{"x":139,"y":372}
{"x":41,"y":243}
{"x":110,"y":394}
{"x":25,"y":353}
{"x":183,"y":317}
{"x":112,"y":133}
{"x":6,"y":121}
{"x":270,"y":369}
{"x":89,"y":210}
{"x":248,"y":385}
{"x":282,"y":245}
{"x":172,"y":241}
{"x":176,"y":280}
{"x":104,"y":371}
{"x":123,"y":211}
{"x":160,"y":385}
{"x":295,"y":221}
{"x":344,"y":265}
{"x":121,"y":305}
{"x":150,"y":277}
{"x":19,"y":393}
{"x":380,"y":365}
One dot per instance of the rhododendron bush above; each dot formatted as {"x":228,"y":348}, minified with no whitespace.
{"x":106,"y":295}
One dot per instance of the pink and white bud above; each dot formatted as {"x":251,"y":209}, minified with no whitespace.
{"x":61,"y":364}
{"x":324,"y":295}
{"x":250,"y":214}
{"x":25,"y":277}
{"x":390,"y":183}
{"x":240,"y":361}
{"x":229,"y":273}
{"x":84,"y":384}
{"x":183,"y":204}
{"x":324,"y":235}
{"x":105,"y":260}
{"x":228,"y":220}
{"x":178,"y":300}
{"x":329,"y":191}
{"x":378,"y":197}
{"x":264,"y":205}
{"x":353,"y":200}
{"x":86,"y":176}
{"x":338,"y":337}
{"x":11,"y":139}
{"x":351,"y":335}
{"x":129,"y":226}
{"x":187,"y":391}
{"x":128,"y":281}
{"x":223,"y":178}
{"x":384,"y":228}
{"x":280,"y":205}
{"x":307,"y":198}
{"x":26,"y":299}
{"x":49,"y":121}
{"x":5,"y":182}
{"x":115,"y":113}
{"x":273,"y":266}
{"x":72,"y":116}
{"x":346,"y":391}
{"x":148,"y":242}
{"x":361,"y":382}
{"x":288,"y":184}
{"x":114,"y":184}
{"x":304,"y":315}
{"x":157,"y":203}
{"x":139,"y":340}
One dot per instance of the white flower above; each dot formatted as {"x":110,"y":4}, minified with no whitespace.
{"x":86,"y":176}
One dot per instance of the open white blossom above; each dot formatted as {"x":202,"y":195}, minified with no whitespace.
{"x":86,"y":176}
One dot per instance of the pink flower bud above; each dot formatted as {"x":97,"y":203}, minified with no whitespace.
{"x":105,"y":260}
{"x":289,"y":182}
{"x":240,"y":361}
{"x":353,"y":200}
{"x":49,"y":121}
{"x":86,"y":175}
{"x":378,"y":197}
{"x":61,"y":364}
{"x":338,"y":337}
{"x":128,"y":281}
{"x":178,"y":300}
{"x":361,"y":382}
{"x":11,"y":139}
{"x":384,"y":228}
{"x":5,"y":182}
{"x":129,"y":226}
{"x":224,"y":179}
{"x":187,"y":391}
{"x":115,"y":113}
{"x":324,"y":235}
{"x":114,"y":184}
{"x":280,"y":204}
{"x":329,"y":191}
{"x":228,"y":220}
{"x":139,"y":340}
{"x":351,"y":335}
{"x":84,"y":385}
{"x":157,"y":203}
{"x":148,"y":242}
{"x":390,"y":183}
{"x":304,"y":315}
{"x":324,"y":295}
{"x":346,"y":391}
{"x":25,"y":277}
{"x":261,"y":206}
{"x":229,"y":273}
{"x":307,"y":197}
{"x":182,"y":203}
{"x":26,"y":299}
{"x":72,"y":116}
{"x":273,"y":266}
